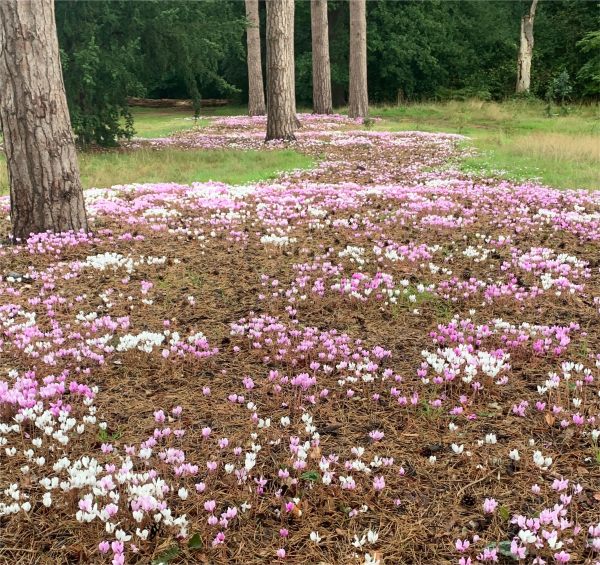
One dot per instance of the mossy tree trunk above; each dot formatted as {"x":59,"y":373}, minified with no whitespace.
{"x":358,"y":106}
{"x":281,"y":98}
{"x":45,"y":186}
{"x":256,"y":93}
{"x":321,"y":72}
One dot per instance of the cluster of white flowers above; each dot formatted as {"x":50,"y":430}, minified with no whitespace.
{"x":144,"y":341}
{"x":479,"y":254}
{"x":113,"y":261}
{"x":161,"y":212}
{"x":541,"y":461}
{"x":277,"y":240}
{"x":356,"y":254}
{"x":460,"y":362}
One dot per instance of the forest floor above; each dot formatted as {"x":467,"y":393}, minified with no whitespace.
{"x":380,"y":359}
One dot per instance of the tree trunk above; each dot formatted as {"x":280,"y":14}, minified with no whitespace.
{"x":281,"y":86}
{"x":256,"y":93}
{"x":45,"y":188}
{"x":321,"y":73}
{"x":526,"y":50}
{"x":359,"y":97}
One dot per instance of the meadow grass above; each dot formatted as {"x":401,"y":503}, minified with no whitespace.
{"x":160,"y":122}
{"x":517,"y":139}
{"x":181,"y":166}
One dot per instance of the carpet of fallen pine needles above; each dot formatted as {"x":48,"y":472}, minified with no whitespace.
{"x":316,"y":297}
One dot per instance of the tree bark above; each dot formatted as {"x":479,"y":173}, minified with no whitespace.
{"x":45,"y":187}
{"x":256,"y":93}
{"x":359,"y":97}
{"x":281,"y":86}
{"x":526,"y":50}
{"x":321,"y":73}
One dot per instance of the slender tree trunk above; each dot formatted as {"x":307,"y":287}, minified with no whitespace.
{"x":281,"y":86}
{"x":321,"y":73}
{"x":45,"y":188}
{"x":526,"y":50}
{"x":256,"y":93}
{"x":359,"y":98}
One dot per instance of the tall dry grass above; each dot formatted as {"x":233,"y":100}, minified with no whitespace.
{"x":578,"y":148}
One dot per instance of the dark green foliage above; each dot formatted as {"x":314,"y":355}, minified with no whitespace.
{"x":99,"y":54}
{"x":559,"y":88}
{"x":112,"y":49}
{"x":417,"y":49}
{"x":589,"y":74}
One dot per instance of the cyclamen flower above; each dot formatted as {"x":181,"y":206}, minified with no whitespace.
{"x":462,"y":545}
{"x":490,"y":505}
{"x":376,"y":435}
{"x":379,"y":483}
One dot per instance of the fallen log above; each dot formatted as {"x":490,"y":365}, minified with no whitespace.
{"x":176,"y":103}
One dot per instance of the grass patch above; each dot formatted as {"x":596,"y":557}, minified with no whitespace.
{"x":160,"y":122}
{"x":176,"y":165}
{"x":515,"y":139}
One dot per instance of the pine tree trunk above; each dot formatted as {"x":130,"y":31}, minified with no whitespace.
{"x":526,"y":50}
{"x":45,"y":188}
{"x":359,"y":99}
{"x":321,"y":73}
{"x":256,"y":94}
{"x":281,"y":86}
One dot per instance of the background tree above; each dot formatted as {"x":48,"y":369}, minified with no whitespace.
{"x":281,"y":97}
{"x":525,"y":50}
{"x":256,"y":94}
{"x":321,"y":72}
{"x":112,"y":49}
{"x":590,"y":70}
{"x":358,"y":106}
{"x":417,"y":50}
{"x":45,"y":188}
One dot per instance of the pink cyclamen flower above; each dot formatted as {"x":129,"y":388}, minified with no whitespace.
{"x":490,"y":505}
{"x":159,"y":416}
{"x":210,"y":505}
{"x":103,"y":547}
{"x":379,"y":483}
{"x":461,"y":545}
{"x":376,"y":435}
{"x":281,"y":553}
{"x":560,"y":484}
{"x":106,"y":448}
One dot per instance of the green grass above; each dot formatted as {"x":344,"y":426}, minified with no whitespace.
{"x":104,"y":169}
{"x":160,"y":122}
{"x":176,"y":165}
{"x":514,"y":139}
